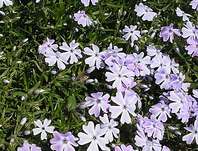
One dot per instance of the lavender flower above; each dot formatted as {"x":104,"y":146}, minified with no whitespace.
{"x":141,"y":140}
{"x":144,"y":11}
{"x":63,"y":142}
{"x":182,"y":14}
{"x":193,"y":129}
{"x":82,"y":19}
{"x":190,"y":32}
{"x":177,"y":99}
{"x":156,"y":55}
{"x":28,"y":147}
{"x":112,"y":51}
{"x":153,"y":128}
{"x":192,"y":48}
{"x":162,"y":77}
{"x":167,"y":33}
{"x":194,"y":4}
{"x":97,"y":102}
{"x":48,"y":47}
{"x":123,"y":148}
{"x":138,"y":64}
{"x":165,"y":148}
{"x":160,"y":111}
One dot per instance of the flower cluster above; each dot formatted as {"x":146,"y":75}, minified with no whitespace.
{"x":124,"y":75}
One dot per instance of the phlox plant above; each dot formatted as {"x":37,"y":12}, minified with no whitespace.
{"x":98,"y":75}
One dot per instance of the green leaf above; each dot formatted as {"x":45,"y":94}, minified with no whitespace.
{"x":71,"y":102}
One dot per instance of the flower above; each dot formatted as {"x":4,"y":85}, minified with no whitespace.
{"x":194,"y":4}
{"x":182,"y":14}
{"x":170,"y":64}
{"x":43,"y":128}
{"x":167,"y":33}
{"x":138,"y":64}
{"x":119,"y":75}
{"x":6,"y":2}
{"x":94,"y":136}
{"x":95,"y":57}
{"x":125,"y":105}
{"x":178,"y":98}
{"x":124,"y":148}
{"x":132,"y":33}
{"x":195,"y":93}
{"x":48,"y":47}
{"x":112,"y":51}
{"x":156,"y":55}
{"x":98,"y":101}
{"x":86,"y":2}
{"x":162,"y":77}
{"x":63,"y":142}
{"x":110,"y":127}
{"x":193,"y":129}
{"x":192,"y":48}
{"x":160,"y":111}
{"x":71,"y":52}
{"x":144,"y":11}
{"x":165,"y":148}
{"x":190,"y":32}
{"x":82,"y":18}
{"x":56,"y":57}
{"x":153,"y":128}
{"x":141,"y":140}
{"x":28,"y":147}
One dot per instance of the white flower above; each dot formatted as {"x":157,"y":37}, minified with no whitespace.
{"x":178,"y":98}
{"x":138,"y":64}
{"x":86,"y":2}
{"x":193,"y":129}
{"x":43,"y":128}
{"x":182,"y":14}
{"x":194,"y":4}
{"x":190,"y":32}
{"x":82,"y":18}
{"x":195,"y":93}
{"x":94,"y":136}
{"x":119,"y":76}
{"x":110,"y":127}
{"x":95,"y":57}
{"x":132,"y":33}
{"x":72,"y":53}
{"x":125,"y":105}
{"x":156,"y":61}
{"x":6,"y":2}
{"x":144,"y":11}
{"x":141,"y":140}
{"x":56,"y":57}
{"x":170,"y":65}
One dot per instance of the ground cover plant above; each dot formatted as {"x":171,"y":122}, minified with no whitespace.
{"x":91,"y":75}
